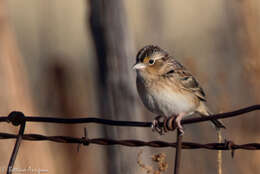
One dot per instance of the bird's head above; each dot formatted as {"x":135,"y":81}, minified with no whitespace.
{"x":151,"y":59}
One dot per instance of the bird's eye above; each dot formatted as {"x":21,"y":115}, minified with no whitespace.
{"x":151,"y":61}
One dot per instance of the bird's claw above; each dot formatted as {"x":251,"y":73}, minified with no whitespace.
{"x":159,"y":124}
{"x":181,"y":131}
{"x":156,"y":126}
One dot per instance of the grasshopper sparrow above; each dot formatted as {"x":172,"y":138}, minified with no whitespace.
{"x":167,"y":88}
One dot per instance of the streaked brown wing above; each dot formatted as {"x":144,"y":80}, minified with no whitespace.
{"x":187,"y":81}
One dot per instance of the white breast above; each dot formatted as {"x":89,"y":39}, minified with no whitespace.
{"x":167,"y":102}
{"x":164,"y":100}
{"x":170,"y":103}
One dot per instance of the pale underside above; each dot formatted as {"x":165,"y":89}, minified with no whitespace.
{"x":167,"y":100}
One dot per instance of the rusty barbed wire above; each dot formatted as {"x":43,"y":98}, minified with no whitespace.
{"x":18,"y":118}
{"x":228,"y":145}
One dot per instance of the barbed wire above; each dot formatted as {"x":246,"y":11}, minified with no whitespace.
{"x":227,"y":145}
{"x":18,"y":118}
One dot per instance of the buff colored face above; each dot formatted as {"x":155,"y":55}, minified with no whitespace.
{"x":150,"y":64}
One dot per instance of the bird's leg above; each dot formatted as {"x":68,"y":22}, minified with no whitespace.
{"x":178,"y":122}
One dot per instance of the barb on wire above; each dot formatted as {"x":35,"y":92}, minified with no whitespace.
{"x":228,"y":145}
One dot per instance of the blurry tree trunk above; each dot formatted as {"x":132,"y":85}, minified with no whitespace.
{"x":15,"y":95}
{"x":13,"y":76}
{"x":115,"y":57}
{"x":249,"y":12}
{"x":250,"y":43}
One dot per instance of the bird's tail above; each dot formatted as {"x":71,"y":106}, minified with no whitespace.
{"x":204,"y":111}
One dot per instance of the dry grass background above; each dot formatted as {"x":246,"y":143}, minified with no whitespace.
{"x":47,"y":65}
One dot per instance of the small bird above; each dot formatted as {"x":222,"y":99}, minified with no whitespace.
{"x":167,"y":88}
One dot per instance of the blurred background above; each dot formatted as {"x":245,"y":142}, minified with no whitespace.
{"x":73,"y":59}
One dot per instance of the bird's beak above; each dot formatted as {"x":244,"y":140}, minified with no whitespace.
{"x":139,"y":66}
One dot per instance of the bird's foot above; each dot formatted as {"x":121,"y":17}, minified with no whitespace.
{"x":157,"y":126}
{"x":160,"y":124}
{"x":178,"y":122}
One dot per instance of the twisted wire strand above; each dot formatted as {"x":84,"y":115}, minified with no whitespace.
{"x":228,"y":145}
